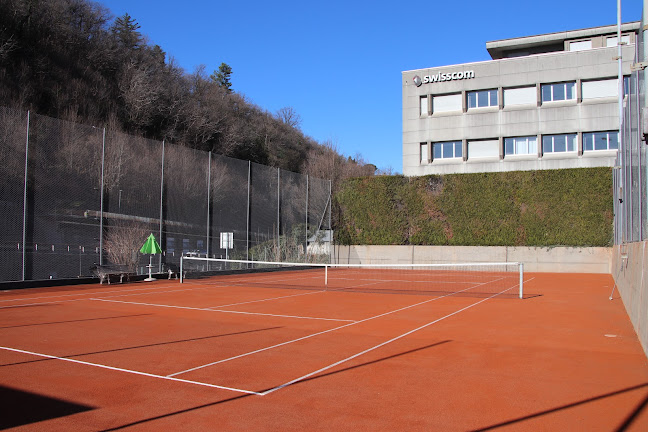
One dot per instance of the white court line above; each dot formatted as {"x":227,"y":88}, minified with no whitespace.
{"x":271,"y":298}
{"x":154,"y":292}
{"x":296,"y":380}
{"x":410,"y":281}
{"x":129,"y":371}
{"x":219,"y":310}
{"x":41,"y":303}
{"x":311,"y":335}
{"x":219,"y":286}
{"x":73,"y":295}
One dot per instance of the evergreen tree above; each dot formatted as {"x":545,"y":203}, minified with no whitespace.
{"x":222,"y":77}
{"x":125,"y":28}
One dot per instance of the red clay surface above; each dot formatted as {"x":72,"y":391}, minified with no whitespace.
{"x":198,"y":356}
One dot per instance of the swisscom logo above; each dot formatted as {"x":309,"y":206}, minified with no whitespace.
{"x":440,"y":77}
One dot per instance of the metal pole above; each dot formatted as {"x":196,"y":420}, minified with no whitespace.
{"x":161,"y":199}
{"x":101,"y":193}
{"x":331,"y":245}
{"x":621,"y":140}
{"x":278,"y":213}
{"x":306,"y":225}
{"x":247,"y":227}
{"x":208,"y":202}
{"x":521,"y":280}
{"x":640,"y":176}
{"x":181,"y":272}
{"x":24,"y":230}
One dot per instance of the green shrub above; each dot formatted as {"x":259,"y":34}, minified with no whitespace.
{"x":571,"y":207}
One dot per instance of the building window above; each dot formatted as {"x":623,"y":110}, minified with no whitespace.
{"x":520,"y":96}
{"x":559,"y":143}
{"x":600,"y":141}
{"x":521,"y":145}
{"x":626,"y":85}
{"x":170,"y":245}
{"x":558,"y":92}
{"x":483,"y":149}
{"x":446,"y":150}
{"x":600,"y":89}
{"x":612,"y":41}
{"x":580,"y":45}
{"x":423,"y":106}
{"x":446,"y":103}
{"x":482,"y":98}
{"x":424,"y":154}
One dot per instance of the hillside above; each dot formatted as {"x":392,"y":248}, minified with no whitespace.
{"x":71,"y":59}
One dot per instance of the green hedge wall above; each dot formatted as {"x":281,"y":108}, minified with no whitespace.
{"x":571,"y":207}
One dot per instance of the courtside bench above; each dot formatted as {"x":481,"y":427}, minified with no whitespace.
{"x":105,"y":272}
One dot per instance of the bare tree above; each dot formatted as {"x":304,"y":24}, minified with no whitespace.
{"x":289,"y":116}
{"x":139,"y":92}
{"x":326,"y":162}
{"x":123,"y":241}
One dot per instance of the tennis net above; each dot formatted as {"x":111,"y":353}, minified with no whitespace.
{"x":467,"y":279}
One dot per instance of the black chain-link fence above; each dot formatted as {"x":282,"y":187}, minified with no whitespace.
{"x":75,"y":196}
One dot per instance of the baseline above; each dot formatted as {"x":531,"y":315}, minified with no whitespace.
{"x":134,"y":372}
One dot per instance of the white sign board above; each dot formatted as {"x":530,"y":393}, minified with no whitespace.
{"x":227,"y":240}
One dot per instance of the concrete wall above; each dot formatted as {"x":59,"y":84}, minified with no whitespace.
{"x":556,"y":259}
{"x":628,"y":264}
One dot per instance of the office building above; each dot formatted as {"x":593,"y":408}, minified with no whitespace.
{"x":543,"y":102}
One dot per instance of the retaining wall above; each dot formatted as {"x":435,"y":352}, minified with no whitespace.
{"x":554,"y":259}
{"x":628,"y":264}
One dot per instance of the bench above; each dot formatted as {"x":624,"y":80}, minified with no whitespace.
{"x":104,"y":272}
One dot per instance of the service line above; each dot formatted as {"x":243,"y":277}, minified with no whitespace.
{"x":219,"y":310}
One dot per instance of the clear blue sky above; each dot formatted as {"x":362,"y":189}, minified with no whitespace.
{"x":339,"y":63}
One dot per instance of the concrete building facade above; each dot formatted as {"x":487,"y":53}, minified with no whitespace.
{"x":543,"y":102}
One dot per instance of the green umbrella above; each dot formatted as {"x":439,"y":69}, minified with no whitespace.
{"x":151,"y":247}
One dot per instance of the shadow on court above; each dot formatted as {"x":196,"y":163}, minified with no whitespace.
{"x":622,"y":427}
{"x":21,"y":408}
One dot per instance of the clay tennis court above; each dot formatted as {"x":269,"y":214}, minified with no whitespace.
{"x":218,"y":353}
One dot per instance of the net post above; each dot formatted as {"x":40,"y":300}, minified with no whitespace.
{"x":521,"y":279}
{"x":326,"y":275}
{"x":181,"y":272}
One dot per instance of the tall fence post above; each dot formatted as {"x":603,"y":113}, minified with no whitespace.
{"x":278,"y":258}
{"x":306,"y":225}
{"x":101,"y":195}
{"x":24,"y":227}
{"x":331,"y":244}
{"x":620,"y":87}
{"x":209,"y":156}
{"x":247,"y":223}
{"x":161,"y":201}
